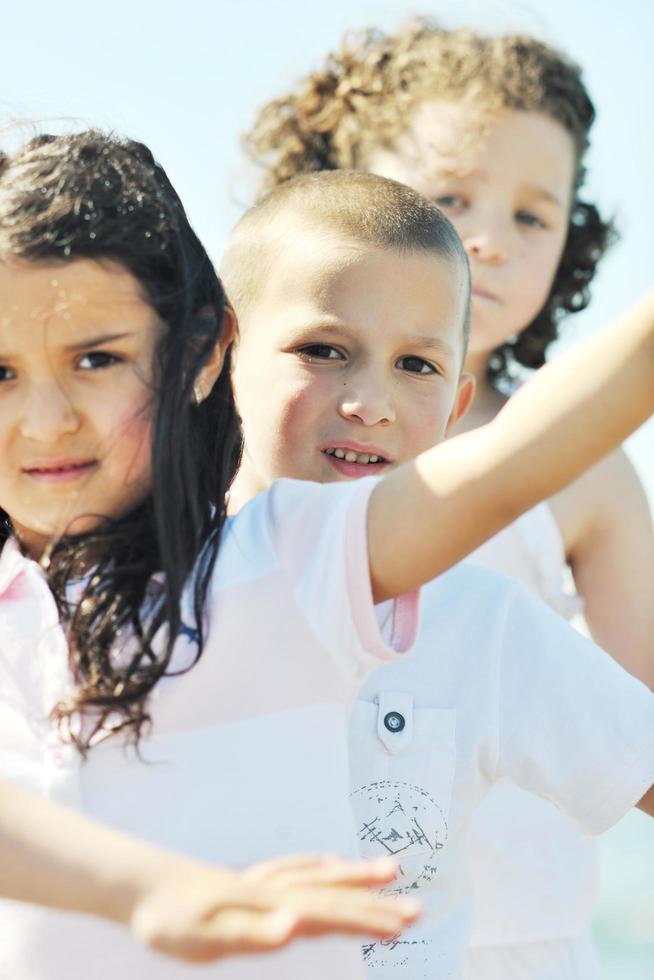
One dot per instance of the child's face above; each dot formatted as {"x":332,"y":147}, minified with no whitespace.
{"x":77,"y":343}
{"x":349,"y":350}
{"x":506,"y":185}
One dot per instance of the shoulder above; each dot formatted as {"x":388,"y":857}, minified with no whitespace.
{"x":467,"y":605}
{"x":293,"y":524}
{"x":607,"y":495}
{"x":302,"y":515}
{"x":479,"y":626}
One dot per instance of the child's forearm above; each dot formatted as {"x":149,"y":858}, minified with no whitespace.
{"x":580,"y":407}
{"x":428,"y":515}
{"x":56,"y":857}
{"x":184,"y":908}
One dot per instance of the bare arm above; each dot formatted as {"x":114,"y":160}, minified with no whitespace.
{"x":606,"y":524}
{"x":428,"y":514}
{"x":55,"y":857}
{"x":647,"y":802}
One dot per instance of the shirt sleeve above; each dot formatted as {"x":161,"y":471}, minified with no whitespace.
{"x":319,"y":532}
{"x":574,"y":726}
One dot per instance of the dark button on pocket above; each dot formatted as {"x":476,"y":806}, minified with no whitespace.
{"x":394,"y":721}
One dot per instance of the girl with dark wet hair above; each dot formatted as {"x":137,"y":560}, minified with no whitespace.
{"x":118,"y":440}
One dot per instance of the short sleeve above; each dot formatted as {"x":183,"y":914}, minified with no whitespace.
{"x":574,"y":726}
{"x":319,"y":533}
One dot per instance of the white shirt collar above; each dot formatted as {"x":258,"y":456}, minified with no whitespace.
{"x":12,"y":563}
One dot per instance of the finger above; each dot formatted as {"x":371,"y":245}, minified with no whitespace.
{"x":307,"y":913}
{"x":352,"y":911}
{"x":326,"y":870}
{"x":370,"y":874}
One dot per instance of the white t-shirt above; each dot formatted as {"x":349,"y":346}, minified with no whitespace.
{"x":248,"y":753}
{"x":534,"y":874}
{"x":497,"y":686}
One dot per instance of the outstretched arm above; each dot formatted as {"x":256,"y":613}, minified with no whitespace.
{"x":55,"y":857}
{"x":429,"y":514}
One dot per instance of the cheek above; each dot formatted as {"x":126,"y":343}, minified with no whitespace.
{"x":535,"y":282}
{"x":128,"y":440}
{"x":7,"y":479}
{"x":300,"y":404}
{"x":424,"y":420}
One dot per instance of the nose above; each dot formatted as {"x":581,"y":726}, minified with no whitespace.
{"x":367,"y":399}
{"x":48,"y":414}
{"x":489,"y":242}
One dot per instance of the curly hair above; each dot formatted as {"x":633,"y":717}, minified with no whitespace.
{"x":362,"y":95}
{"x":94,"y":196}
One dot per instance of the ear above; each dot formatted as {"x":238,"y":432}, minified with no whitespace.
{"x":210,"y":373}
{"x":465,"y":393}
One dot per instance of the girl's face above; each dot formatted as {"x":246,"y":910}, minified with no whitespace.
{"x":506,"y":183}
{"x":77,"y":344}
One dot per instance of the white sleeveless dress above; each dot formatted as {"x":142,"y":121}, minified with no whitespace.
{"x":534,"y":873}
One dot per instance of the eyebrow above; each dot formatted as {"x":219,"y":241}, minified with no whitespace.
{"x":442,"y":170}
{"x":544,"y":194}
{"x":452,"y":172}
{"x":319,"y":326}
{"x":432,"y":343}
{"x":104,"y":338}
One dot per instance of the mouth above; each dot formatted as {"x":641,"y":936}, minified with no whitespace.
{"x":484,"y":294}
{"x":60,"y":471}
{"x":355,"y":462}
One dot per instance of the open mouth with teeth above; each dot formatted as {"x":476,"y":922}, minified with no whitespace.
{"x":349,"y":456}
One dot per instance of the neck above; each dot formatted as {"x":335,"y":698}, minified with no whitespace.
{"x":245,"y":486}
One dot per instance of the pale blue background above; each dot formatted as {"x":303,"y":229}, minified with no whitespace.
{"x":186,"y":77}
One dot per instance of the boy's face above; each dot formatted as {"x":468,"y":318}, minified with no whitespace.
{"x":349,"y":362}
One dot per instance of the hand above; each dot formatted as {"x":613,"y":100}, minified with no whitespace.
{"x":198,"y":913}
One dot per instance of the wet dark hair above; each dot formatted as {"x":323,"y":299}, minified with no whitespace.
{"x":94,"y":196}
{"x":362,"y":95}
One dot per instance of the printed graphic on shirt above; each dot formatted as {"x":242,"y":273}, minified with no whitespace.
{"x":190,"y":633}
{"x":185,"y":654}
{"x":403,"y":820}
{"x":400,"y":951}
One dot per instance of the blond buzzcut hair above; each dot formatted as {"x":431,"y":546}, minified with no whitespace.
{"x":359,"y":207}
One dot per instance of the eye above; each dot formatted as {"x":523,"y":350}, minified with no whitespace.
{"x":415,"y":365}
{"x":6,"y":374}
{"x":320,"y":352}
{"x":449,"y":202}
{"x":97,"y":360}
{"x":529,"y":219}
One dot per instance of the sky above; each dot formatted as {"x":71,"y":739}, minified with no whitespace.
{"x":187,"y":78}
